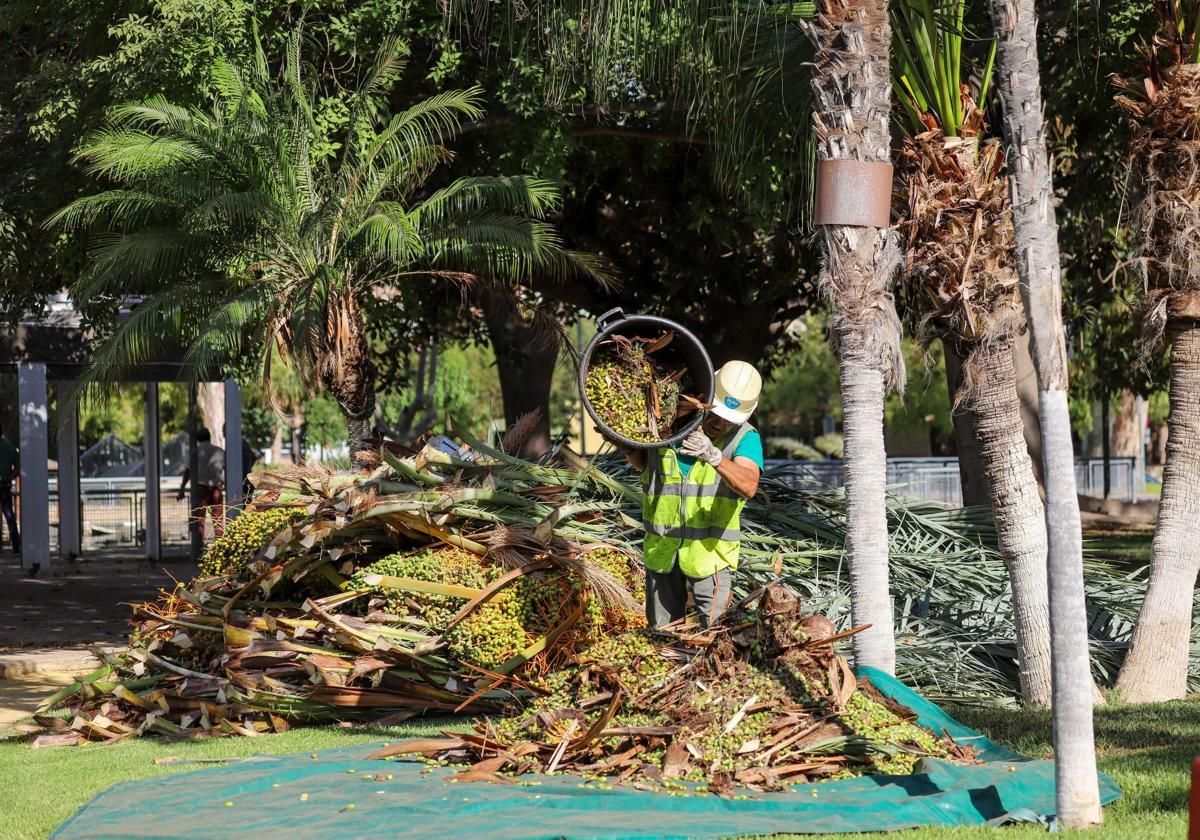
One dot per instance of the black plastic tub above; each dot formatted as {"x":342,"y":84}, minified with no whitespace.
{"x":685,"y":346}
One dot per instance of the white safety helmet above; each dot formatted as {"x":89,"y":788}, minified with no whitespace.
{"x":737,"y":388}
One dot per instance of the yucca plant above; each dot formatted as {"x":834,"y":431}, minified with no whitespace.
{"x":960,"y":286}
{"x":244,"y":227}
{"x":1164,"y":112}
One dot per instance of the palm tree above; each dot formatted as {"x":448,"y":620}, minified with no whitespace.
{"x":239,"y":230}
{"x":851,"y":84}
{"x":1162,"y":111}
{"x":1036,"y":233}
{"x":961,"y":286}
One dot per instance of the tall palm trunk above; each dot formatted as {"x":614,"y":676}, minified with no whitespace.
{"x":995,"y":410}
{"x":1166,"y":127}
{"x":852,"y":91}
{"x":1019,"y":84}
{"x":1157,"y":665}
{"x":961,"y":283}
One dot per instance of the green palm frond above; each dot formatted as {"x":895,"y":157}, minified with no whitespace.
{"x":933,"y":84}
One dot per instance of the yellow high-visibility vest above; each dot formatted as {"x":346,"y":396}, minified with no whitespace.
{"x":694,"y":519}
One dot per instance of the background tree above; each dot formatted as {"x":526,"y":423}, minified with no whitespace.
{"x":1019,"y":85}
{"x":261,"y":231}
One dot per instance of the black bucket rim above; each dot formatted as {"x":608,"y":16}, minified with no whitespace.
{"x":606,"y":325}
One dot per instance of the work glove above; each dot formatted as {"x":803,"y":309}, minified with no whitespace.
{"x":698,"y":446}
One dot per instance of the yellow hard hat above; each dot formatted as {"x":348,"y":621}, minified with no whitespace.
{"x":737,"y":387}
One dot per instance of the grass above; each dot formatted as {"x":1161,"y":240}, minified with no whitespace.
{"x":1146,"y":749}
{"x":1126,"y":549}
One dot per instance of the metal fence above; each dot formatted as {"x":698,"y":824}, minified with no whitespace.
{"x":114,"y":513}
{"x":937,"y":479}
{"x":114,"y":510}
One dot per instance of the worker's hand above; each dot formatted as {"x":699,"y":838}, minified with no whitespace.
{"x":179,"y":496}
{"x":700,"y":447}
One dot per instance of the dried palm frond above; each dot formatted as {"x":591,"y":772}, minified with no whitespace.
{"x":520,"y":432}
{"x":1164,"y":111}
{"x":960,"y":271}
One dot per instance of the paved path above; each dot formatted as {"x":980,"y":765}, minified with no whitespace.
{"x":47,"y":623}
{"x":78,"y":604}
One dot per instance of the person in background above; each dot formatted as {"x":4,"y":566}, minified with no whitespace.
{"x":10,"y":462}
{"x":210,"y":479}
{"x":692,"y":502}
{"x":250,"y":456}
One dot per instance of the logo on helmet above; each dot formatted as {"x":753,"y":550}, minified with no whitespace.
{"x":732,"y":402}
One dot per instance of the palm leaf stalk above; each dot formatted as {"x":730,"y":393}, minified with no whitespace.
{"x":1163,"y":106}
{"x":960,"y":286}
{"x":302,"y":624}
{"x":235,"y":230}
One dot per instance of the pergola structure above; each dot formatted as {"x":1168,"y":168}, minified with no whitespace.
{"x":51,"y":351}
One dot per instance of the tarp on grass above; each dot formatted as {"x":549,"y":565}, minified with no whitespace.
{"x":298,"y":797}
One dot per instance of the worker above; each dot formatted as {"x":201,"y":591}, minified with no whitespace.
{"x":10,"y":462}
{"x":210,"y":481}
{"x":693,"y":495}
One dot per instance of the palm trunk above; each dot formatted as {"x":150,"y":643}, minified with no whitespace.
{"x":972,"y":474}
{"x":995,"y":412}
{"x":1019,"y":84}
{"x":865,"y":471}
{"x":526,"y":355}
{"x":851,"y":83}
{"x":1156,"y":667}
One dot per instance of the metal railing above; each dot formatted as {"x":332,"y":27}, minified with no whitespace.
{"x":938,"y":480}
{"x":114,"y":510}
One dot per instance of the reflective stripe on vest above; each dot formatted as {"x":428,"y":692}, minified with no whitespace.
{"x":695,"y":520}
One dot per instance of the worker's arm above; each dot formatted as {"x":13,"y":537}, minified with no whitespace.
{"x":741,"y":474}
{"x":637,"y":457}
{"x":187,"y":474}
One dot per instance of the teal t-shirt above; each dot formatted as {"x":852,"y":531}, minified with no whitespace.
{"x":750,"y":446}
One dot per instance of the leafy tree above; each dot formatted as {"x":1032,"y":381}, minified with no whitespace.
{"x":239,"y":228}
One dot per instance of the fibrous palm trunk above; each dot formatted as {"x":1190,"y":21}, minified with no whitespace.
{"x":1156,"y":667}
{"x":348,"y":374}
{"x":1019,"y":84}
{"x":852,"y":91}
{"x":1166,"y":149}
{"x":1017,"y":510}
{"x":961,"y":284}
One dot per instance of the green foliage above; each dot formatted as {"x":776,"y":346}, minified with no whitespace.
{"x":243,"y":233}
{"x":243,"y":538}
{"x":928,"y":68}
{"x":803,"y":391}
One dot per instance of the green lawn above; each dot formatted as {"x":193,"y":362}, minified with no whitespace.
{"x":1148,"y":750}
{"x":1128,"y":550}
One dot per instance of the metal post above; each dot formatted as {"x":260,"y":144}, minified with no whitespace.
{"x":1138,"y":485}
{"x":194,"y":513}
{"x":152,"y":436}
{"x":233,"y":448}
{"x":582,"y":410}
{"x":33,"y":417}
{"x":70,"y":532}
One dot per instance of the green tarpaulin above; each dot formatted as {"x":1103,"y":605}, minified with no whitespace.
{"x":265,"y":795}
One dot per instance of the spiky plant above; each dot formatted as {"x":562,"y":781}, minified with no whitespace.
{"x":238,"y":230}
{"x":1164,"y":112}
{"x":960,"y":286}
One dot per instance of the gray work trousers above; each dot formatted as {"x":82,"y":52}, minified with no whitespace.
{"x":666,"y":596}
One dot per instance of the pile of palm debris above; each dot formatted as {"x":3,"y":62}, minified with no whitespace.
{"x":761,"y":701}
{"x":436,"y":584}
